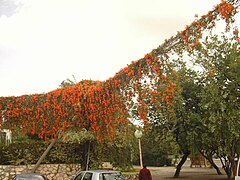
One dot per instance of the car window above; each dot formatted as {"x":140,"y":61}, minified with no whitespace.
{"x":79,"y":177}
{"x":112,"y":176}
{"x":88,"y":176}
{"x":32,"y":178}
{"x":29,"y":177}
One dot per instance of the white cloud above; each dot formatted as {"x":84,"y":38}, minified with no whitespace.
{"x":48,"y":41}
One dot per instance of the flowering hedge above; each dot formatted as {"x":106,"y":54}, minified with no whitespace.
{"x":103,"y":107}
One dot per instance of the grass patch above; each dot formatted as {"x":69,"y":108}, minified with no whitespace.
{"x":130,"y":173}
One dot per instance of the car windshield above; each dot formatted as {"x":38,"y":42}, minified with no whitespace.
{"x":28,"y":178}
{"x":111,"y":176}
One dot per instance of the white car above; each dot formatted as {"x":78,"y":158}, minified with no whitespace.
{"x":30,"y":176}
{"x":99,"y":175}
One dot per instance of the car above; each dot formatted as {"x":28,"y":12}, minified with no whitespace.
{"x":28,"y":176}
{"x":99,"y":175}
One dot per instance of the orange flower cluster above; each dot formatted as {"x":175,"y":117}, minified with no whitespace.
{"x":92,"y":105}
{"x":191,"y":35}
{"x":211,"y":73}
{"x":191,"y":40}
{"x":151,"y":85}
{"x":97,"y":106}
{"x":238,"y":39}
{"x":225,"y":9}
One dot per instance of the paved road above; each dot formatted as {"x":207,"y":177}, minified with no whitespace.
{"x":188,"y":173}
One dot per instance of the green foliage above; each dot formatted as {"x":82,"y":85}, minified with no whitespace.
{"x":121,"y":152}
{"x":78,"y":136}
{"x":158,"y":145}
{"x":188,"y":124}
{"x":219,"y":58}
{"x":19,"y":136}
{"x":68,"y":82}
{"x":30,"y":152}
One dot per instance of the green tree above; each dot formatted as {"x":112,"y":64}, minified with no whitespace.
{"x":188,"y":125}
{"x":219,"y":58}
{"x":83,"y":138}
{"x":120,"y":152}
{"x":158,"y":144}
{"x":68,"y":82}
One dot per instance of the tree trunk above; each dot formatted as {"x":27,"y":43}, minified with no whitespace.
{"x":234,"y":167}
{"x":229,"y":172}
{"x":214,"y":166}
{"x":84,"y":163}
{"x":227,"y":167}
{"x":88,"y":156}
{"x":44,"y":155}
{"x":180,"y":164}
{"x":210,"y":159}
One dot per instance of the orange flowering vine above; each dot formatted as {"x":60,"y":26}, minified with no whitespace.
{"x":225,"y":9}
{"x":192,"y":34}
{"x":89,"y":104}
{"x":105,"y":106}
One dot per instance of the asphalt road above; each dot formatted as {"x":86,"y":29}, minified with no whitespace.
{"x":188,"y":173}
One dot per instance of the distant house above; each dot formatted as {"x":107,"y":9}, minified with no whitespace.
{"x":5,"y":134}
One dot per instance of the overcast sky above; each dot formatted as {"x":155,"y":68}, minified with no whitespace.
{"x":44,"y":42}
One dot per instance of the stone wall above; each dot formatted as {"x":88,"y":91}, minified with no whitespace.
{"x":52,"y":171}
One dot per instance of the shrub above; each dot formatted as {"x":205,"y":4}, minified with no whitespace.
{"x":29,"y":153}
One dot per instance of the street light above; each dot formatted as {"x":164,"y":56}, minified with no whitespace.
{"x":138,"y":134}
